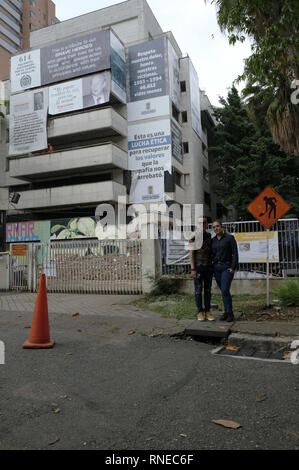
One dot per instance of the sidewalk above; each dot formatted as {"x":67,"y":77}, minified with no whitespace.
{"x":117,"y":315}
{"x":114,"y":317}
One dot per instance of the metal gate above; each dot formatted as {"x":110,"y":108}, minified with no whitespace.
{"x":84,"y":266}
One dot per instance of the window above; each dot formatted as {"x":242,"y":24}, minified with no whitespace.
{"x":32,"y":3}
{"x":186,"y":147}
{"x":184,"y":116}
{"x":31,"y":27}
{"x":208,"y":199}
{"x":32,"y":14}
{"x":183,"y":87}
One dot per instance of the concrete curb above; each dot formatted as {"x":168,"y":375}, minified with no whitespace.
{"x":260,"y":343}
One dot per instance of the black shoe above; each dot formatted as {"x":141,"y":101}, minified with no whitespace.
{"x":224,"y":317}
{"x":230,"y":318}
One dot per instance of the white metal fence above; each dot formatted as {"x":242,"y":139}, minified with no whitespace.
{"x":80,"y":266}
{"x":288,"y":251}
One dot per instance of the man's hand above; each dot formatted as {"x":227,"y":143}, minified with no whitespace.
{"x":193,"y":273}
{"x":231,"y":271}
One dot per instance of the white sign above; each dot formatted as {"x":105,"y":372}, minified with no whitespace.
{"x":149,"y":147}
{"x":252,"y":247}
{"x":147,"y":187}
{"x":65,"y":97}
{"x":177,"y":252}
{"x":174,"y":76}
{"x":83,"y":93}
{"x":25,"y":71}
{"x":148,"y":109}
{"x":195,"y":100}
{"x":28,"y":122}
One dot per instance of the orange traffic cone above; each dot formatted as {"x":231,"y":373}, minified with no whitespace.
{"x":40,"y":331}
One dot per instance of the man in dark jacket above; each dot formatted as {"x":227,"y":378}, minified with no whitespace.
{"x":202,"y":270}
{"x":225,"y":261}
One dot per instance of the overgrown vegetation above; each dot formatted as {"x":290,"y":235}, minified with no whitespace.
{"x":288,"y":294}
{"x":162,"y":285}
{"x":273,"y":67}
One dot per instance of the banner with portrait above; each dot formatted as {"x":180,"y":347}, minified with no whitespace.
{"x":28,"y":122}
{"x":83,"y":93}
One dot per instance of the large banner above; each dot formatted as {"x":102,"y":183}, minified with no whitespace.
{"x":252,"y":247}
{"x":147,"y":70}
{"x":80,"y":94}
{"x":118,"y":68}
{"x":28,"y":122}
{"x":149,"y":146}
{"x":63,"y":61}
{"x":174,"y":77}
{"x":195,"y":100}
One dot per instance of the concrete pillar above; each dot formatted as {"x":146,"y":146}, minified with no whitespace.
{"x":151,"y":262}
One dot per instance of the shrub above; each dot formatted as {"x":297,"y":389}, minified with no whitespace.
{"x":288,"y":294}
{"x":162,"y":285}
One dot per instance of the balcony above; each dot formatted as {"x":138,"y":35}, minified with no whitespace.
{"x":100,"y":123}
{"x":89,"y":194}
{"x":87,"y":159}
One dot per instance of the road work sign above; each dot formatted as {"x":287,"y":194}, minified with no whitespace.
{"x":268,"y":207}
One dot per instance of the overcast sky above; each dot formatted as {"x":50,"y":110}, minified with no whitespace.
{"x":194,"y":26}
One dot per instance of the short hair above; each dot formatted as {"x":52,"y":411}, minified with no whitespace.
{"x":219,"y":222}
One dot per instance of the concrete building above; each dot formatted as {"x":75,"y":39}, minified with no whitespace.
{"x":17,"y":19}
{"x":89,"y":164}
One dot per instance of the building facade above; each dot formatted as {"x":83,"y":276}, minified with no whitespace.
{"x":17,"y":19}
{"x":90,"y":157}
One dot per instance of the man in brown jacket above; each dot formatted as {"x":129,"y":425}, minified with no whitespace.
{"x":202,"y":271}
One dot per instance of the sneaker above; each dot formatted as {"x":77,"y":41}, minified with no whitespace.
{"x":201,"y":316}
{"x":209,"y":316}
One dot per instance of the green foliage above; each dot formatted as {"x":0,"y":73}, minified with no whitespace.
{"x":162,"y":285}
{"x":246,"y":159}
{"x":273,"y":27}
{"x":289,"y":293}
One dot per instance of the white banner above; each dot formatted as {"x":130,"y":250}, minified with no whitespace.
{"x":195,"y":100}
{"x":174,"y":76}
{"x":148,"y":109}
{"x":25,"y":71}
{"x":149,"y":147}
{"x":80,"y":94}
{"x":147,"y":187}
{"x":177,"y":252}
{"x":28,"y":122}
{"x":252,"y":247}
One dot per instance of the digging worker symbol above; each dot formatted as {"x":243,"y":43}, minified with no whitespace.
{"x":270,"y":204}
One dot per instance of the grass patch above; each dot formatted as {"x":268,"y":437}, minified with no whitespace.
{"x":182,"y":306}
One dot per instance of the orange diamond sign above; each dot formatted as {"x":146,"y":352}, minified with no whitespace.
{"x":268,"y":207}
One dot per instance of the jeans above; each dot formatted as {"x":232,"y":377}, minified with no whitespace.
{"x":224,"y":279}
{"x":203,"y":280}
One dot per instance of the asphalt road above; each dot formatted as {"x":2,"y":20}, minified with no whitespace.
{"x":100,"y":388}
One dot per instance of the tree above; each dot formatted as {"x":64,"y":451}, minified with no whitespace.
{"x":246,"y":159}
{"x":272,"y":71}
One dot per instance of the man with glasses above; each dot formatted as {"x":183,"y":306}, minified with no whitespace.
{"x":225,"y":261}
{"x":202,"y":270}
